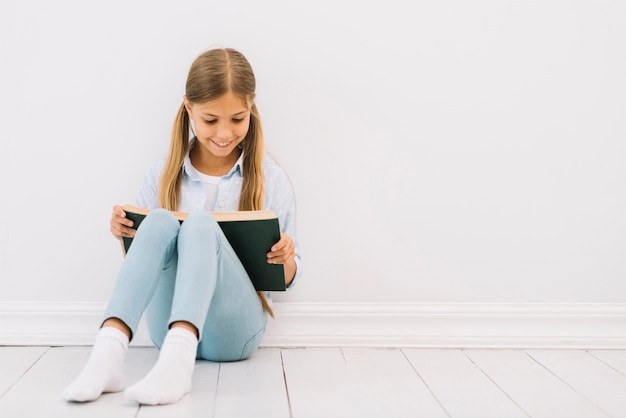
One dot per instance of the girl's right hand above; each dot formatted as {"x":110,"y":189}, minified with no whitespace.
{"x":120,"y":225}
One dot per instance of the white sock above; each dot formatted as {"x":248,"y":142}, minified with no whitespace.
{"x":104,"y":371}
{"x":170,"y":378}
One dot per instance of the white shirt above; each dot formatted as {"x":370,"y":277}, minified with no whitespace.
{"x":211,"y":183}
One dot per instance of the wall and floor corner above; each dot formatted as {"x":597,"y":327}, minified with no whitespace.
{"x":475,"y":325}
{"x":458,"y":166}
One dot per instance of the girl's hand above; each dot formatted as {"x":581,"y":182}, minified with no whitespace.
{"x":283,"y":251}
{"x":120,"y":225}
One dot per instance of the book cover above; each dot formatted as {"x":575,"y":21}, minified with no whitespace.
{"x":250,"y":233}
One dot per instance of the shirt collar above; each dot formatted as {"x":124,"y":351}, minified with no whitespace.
{"x":190,"y":171}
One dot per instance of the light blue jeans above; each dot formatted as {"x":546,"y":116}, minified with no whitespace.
{"x":189,"y":272}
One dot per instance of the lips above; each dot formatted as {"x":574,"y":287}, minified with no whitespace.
{"x":221,"y":144}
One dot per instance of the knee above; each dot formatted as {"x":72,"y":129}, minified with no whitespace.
{"x":160,"y":222}
{"x":199,"y":223}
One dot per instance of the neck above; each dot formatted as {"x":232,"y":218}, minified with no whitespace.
{"x":207,"y":163}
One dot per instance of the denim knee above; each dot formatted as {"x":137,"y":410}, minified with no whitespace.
{"x":199,"y":223}
{"x":158,"y":234}
{"x":161,"y":221}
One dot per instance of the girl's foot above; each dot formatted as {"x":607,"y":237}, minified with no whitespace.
{"x":170,"y":378}
{"x":104,"y":371}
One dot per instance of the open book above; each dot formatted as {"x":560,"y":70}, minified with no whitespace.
{"x":250,"y":233}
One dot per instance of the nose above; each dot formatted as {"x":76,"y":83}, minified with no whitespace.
{"x":224,"y":130}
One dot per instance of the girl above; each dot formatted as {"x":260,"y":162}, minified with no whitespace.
{"x":198,"y":299}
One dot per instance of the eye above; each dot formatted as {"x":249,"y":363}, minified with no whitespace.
{"x":238,"y":120}
{"x":210,"y":122}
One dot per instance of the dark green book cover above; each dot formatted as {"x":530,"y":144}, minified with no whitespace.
{"x":251,"y":240}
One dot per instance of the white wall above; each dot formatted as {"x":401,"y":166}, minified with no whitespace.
{"x":466,"y":152}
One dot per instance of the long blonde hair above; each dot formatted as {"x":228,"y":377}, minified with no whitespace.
{"x":213,"y":74}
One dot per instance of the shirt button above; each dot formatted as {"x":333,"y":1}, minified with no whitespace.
{"x":221,"y":203}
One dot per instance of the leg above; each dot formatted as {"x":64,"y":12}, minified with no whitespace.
{"x":206,"y":260}
{"x":218,"y":297}
{"x":233,"y":325}
{"x":236,"y":321}
{"x":191,"y":293}
{"x":143,"y":268}
{"x":150,"y":260}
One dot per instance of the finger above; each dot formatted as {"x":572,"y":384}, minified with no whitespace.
{"x":119,"y":231}
{"x":285,"y":240}
{"x":119,"y":215}
{"x":277,"y":250}
{"x":126,"y":233}
{"x":281,"y":256}
{"x":276,"y":247}
{"x":117,"y":209}
{"x":282,"y":251}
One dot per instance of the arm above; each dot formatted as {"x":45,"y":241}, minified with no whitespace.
{"x":281,"y":199}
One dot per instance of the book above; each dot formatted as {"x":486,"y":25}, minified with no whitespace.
{"x":250,"y":233}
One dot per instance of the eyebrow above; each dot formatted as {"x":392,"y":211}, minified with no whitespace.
{"x":215,"y":116}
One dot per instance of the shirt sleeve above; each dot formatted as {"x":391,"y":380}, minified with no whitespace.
{"x":147,"y":196}
{"x":280,"y":198}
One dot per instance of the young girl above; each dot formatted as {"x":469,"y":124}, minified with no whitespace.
{"x":198,"y":299}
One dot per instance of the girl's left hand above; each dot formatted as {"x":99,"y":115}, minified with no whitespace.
{"x":283,"y":251}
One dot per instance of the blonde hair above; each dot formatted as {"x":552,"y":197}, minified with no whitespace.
{"x":213,"y":74}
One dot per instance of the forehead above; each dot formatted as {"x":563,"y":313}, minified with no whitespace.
{"x":226,"y":105}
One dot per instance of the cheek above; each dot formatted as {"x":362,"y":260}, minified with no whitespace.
{"x":203,"y":130}
{"x":242,"y":130}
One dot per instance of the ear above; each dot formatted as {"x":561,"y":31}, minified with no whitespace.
{"x":188,"y":107}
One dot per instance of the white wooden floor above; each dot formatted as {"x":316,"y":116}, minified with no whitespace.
{"x":348,"y":382}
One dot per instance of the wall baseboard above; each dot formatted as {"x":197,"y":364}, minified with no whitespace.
{"x":445,"y":325}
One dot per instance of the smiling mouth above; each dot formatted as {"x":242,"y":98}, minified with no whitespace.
{"x":222,"y":144}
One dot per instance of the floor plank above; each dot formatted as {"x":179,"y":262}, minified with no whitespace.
{"x":14,"y":362}
{"x":318,"y":384}
{"x":388,"y":386}
{"x":462,"y":388}
{"x":593,"y":379}
{"x":253,"y":388}
{"x":613,"y":358}
{"x":530,"y":385}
